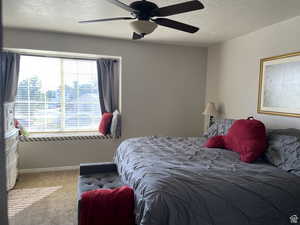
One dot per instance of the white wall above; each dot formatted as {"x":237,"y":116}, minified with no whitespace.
{"x":163,"y":93}
{"x":233,"y":70}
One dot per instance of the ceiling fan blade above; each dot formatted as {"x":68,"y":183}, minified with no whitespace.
{"x":178,"y":8}
{"x":176,"y":25}
{"x":137,"y":36}
{"x":107,"y":19}
{"x":123,"y":6}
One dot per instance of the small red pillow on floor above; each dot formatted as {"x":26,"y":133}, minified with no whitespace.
{"x":105,"y":123}
{"x":246,"y":137}
{"x":107,"y":207}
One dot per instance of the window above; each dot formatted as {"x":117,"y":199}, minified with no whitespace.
{"x":57,"y":94}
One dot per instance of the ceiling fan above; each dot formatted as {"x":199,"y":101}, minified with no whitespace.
{"x":147,"y":16}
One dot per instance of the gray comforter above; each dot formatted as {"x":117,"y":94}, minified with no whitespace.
{"x":177,"y":182}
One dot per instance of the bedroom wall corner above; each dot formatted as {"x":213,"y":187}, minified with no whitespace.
{"x":233,"y":71}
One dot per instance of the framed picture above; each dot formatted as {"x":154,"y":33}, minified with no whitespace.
{"x":279,"y":85}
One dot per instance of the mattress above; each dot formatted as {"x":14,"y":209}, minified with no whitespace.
{"x":176,"y":182}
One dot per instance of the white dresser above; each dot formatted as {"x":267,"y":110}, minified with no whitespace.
{"x":11,"y":145}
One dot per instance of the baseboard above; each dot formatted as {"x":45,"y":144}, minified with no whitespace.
{"x":49,"y":169}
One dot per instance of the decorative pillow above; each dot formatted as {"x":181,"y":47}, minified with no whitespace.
{"x":211,"y":131}
{"x":284,"y":152}
{"x":104,"y":126}
{"x":220,"y":127}
{"x":107,"y":207}
{"x":215,"y":142}
{"x":115,"y":128}
{"x":246,"y":137}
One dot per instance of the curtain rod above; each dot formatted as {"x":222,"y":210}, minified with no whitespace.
{"x":64,"y":57}
{"x":59,"y":56}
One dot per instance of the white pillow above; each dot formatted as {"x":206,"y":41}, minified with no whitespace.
{"x":115,"y":128}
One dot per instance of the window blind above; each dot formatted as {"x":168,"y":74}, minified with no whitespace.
{"x":57,"y":94}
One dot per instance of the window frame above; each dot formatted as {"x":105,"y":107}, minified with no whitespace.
{"x":72,"y":56}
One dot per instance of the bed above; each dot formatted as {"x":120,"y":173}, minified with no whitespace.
{"x":178,"y":182}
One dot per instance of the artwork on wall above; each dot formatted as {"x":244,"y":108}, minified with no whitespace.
{"x":279,"y":85}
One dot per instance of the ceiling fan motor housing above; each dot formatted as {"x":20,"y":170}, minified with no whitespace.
{"x":144,"y":8}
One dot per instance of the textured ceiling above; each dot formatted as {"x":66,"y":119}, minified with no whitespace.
{"x":220,"y":20}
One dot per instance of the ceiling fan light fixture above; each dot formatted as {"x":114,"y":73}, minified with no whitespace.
{"x":143,"y":26}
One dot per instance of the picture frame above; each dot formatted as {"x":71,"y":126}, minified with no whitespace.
{"x":279,"y":85}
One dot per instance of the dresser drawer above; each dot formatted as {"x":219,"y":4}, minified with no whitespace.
{"x":11,"y":139}
{"x":12,"y":172}
{"x":11,"y":152}
{"x":11,"y":156}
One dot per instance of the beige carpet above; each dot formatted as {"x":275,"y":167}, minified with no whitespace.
{"x":44,"y":199}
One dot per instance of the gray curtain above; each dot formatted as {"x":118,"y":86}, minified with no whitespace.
{"x":9,"y":72}
{"x":9,"y":75}
{"x":108,"y":81}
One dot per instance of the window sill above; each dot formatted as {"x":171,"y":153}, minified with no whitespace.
{"x":45,"y":137}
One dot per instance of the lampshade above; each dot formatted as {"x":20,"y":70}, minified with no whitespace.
{"x":143,"y":26}
{"x":210,"y":109}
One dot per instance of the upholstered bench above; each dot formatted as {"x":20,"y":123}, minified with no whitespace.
{"x":97,"y":176}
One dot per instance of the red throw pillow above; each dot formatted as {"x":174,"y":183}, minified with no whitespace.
{"x":215,"y":142}
{"x":246,"y":137}
{"x":105,"y":123}
{"x":107,"y":207}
